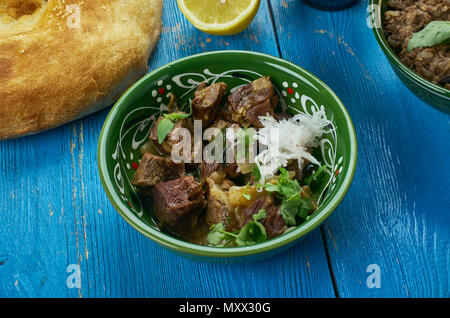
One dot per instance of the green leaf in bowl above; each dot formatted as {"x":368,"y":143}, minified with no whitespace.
{"x":164,"y":128}
{"x":167,"y":123}
{"x":435,"y":32}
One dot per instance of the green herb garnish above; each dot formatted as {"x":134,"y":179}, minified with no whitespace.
{"x":293,"y":205}
{"x":166,"y":124}
{"x":315,"y":176}
{"x":217,"y":235}
{"x":246,"y":195}
{"x":253,"y":232}
{"x":318,"y":180}
{"x":435,"y":32}
{"x":270,"y":187}
{"x":177,"y":116}
{"x":256,"y":173}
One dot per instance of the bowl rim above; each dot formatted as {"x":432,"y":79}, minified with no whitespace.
{"x":218,"y":252}
{"x":390,"y":54}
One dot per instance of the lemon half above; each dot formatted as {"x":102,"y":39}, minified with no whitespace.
{"x":220,"y":17}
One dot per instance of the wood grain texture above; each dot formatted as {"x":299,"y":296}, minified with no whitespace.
{"x":396,"y":214}
{"x":54,"y":212}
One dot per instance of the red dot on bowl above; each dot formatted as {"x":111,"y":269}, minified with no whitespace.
{"x":134,"y":165}
{"x":161,"y":90}
{"x":290,"y":91}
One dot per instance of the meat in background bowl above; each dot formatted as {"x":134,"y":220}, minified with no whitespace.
{"x":127,"y":128}
{"x":433,"y":94}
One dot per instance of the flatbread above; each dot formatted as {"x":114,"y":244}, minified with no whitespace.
{"x":64,"y":59}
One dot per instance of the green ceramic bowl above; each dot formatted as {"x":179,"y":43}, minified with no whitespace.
{"x":130,"y":120}
{"x":432,"y":94}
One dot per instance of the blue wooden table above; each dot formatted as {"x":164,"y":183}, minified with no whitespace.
{"x":388,"y":238}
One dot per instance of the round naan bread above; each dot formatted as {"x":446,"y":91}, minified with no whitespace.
{"x":63,"y":59}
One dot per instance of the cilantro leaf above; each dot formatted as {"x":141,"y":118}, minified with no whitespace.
{"x":260,"y":215}
{"x":307,"y":205}
{"x":318,"y":180}
{"x":316,"y":175}
{"x":252,"y":233}
{"x":219,"y":237}
{"x":288,"y":187}
{"x":215,"y":236}
{"x":256,"y":173}
{"x":293,"y":205}
{"x":289,"y":209}
{"x":270,"y":187}
{"x":246,"y":195}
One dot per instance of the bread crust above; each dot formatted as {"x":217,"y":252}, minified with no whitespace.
{"x":51,"y":73}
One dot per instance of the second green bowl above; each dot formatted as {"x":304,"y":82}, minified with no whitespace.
{"x":432,"y":94}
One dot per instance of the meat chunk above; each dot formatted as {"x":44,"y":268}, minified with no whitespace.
{"x":177,"y":204}
{"x":282,"y":116}
{"x":262,"y":203}
{"x":207,"y":169}
{"x":251,"y":101}
{"x":218,"y":212}
{"x":153,"y":170}
{"x":220,"y":124}
{"x":165,"y":148}
{"x":273,"y":222}
{"x":231,"y":170}
{"x":225,"y":113}
{"x":207,"y":100}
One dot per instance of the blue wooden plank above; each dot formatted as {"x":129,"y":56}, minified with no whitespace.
{"x":55,"y":213}
{"x":396,"y":214}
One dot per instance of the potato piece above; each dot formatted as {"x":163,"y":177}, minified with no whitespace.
{"x":237,"y":198}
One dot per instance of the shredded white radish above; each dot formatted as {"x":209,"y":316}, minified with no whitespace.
{"x":289,"y":139}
